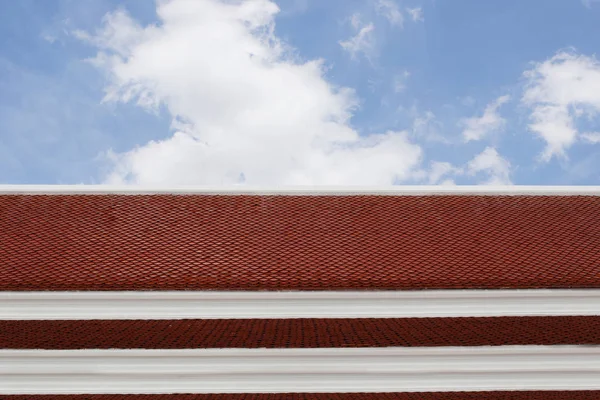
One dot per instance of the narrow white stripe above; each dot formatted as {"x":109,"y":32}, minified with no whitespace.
{"x":232,"y":305}
{"x":306,"y":190}
{"x":288,"y":370}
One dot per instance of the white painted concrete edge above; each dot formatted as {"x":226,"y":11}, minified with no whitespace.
{"x":307,"y":370}
{"x":330,"y":304}
{"x":306,"y":190}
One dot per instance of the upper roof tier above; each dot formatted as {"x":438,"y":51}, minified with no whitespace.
{"x":95,"y":238}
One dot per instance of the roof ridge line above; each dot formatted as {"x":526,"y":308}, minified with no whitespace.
{"x":412,"y":190}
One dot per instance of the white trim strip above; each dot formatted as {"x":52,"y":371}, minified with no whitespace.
{"x":307,"y":190}
{"x":300,"y":370}
{"x":343,"y":304}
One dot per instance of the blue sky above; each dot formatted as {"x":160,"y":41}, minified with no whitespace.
{"x":300,"y":92}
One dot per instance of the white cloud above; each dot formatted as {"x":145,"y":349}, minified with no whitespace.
{"x":427,"y":126}
{"x":591,"y":137}
{"x":559,"y":91}
{"x":476,"y":128}
{"x":467,"y":101}
{"x":488,"y":167}
{"x":440,"y":170}
{"x":244,"y":109}
{"x":589,"y":3}
{"x":416,"y":14}
{"x":57,"y":31}
{"x":400,"y":81}
{"x":49,"y":37}
{"x":356,"y":21}
{"x":362,"y":42}
{"x":389,"y":9}
{"x":494,"y":167}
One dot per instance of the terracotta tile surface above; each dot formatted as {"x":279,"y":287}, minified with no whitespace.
{"x":299,"y":333}
{"x":203,"y":242}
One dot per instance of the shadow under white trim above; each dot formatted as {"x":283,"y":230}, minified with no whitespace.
{"x":300,"y":370}
{"x":330,"y":304}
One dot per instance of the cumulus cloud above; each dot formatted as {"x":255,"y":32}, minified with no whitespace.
{"x":244,"y":108}
{"x":389,"y":9}
{"x":492,"y":165}
{"x":416,"y":14}
{"x":363,"y":42}
{"x":426,"y":126}
{"x":591,"y":137}
{"x":559,"y":91}
{"x":487,"y":167}
{"x":476,"y":128}
{"x":440,"y":173}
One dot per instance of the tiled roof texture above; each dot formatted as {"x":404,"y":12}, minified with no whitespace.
{"x":279,"y":242}
{"x":299,"y":333}
{"x":511,"y":395}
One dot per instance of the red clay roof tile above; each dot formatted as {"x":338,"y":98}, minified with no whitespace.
{"x":271,"y":242}
{"x":299,"y":333}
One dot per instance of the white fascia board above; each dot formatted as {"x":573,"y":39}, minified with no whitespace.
{"x":305,"y":190}
{"x":300,"y":370}
{"x":329,"y":304}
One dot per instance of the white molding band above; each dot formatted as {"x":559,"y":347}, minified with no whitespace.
{"x":300,"y":370}
{"x":306,"y":190}
{"x":330,"y":304}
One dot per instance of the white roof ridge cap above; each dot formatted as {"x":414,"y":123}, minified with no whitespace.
{"x":303,"y":190}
